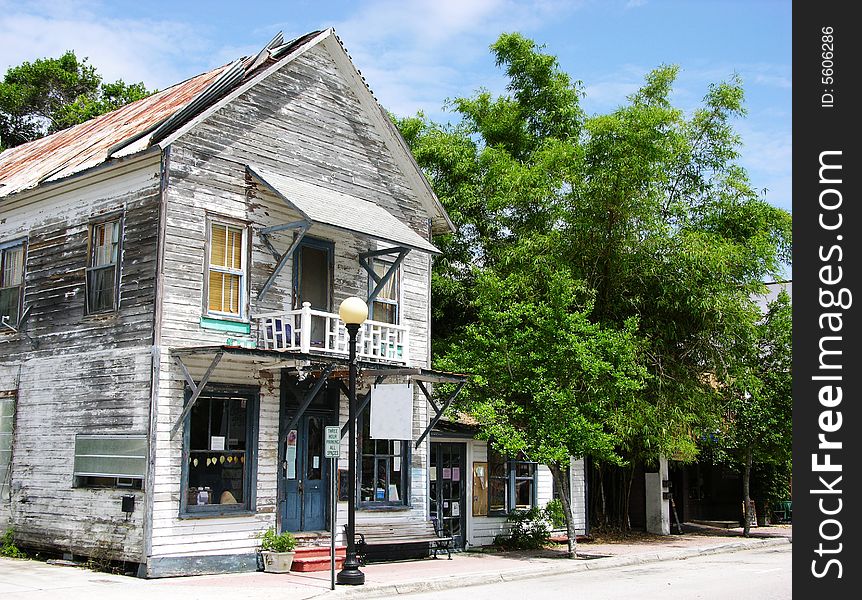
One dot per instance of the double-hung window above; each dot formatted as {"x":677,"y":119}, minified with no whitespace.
{"x":511,"y":483}
{"x":226,"y":271}
{"x":385,"y":305}
{"x":103,"y":267}
{"x":11,"y":281}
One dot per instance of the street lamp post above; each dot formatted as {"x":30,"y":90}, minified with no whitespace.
{"x":353,"y":311}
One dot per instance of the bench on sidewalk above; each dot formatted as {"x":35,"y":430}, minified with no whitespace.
{"x":408,"y":533}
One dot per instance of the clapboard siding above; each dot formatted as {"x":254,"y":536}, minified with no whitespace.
{"x":481,"y":530}
{"x":79,"y":373}
{"x":56,"y":229}
{"x":578,"y":483}
{"x":61,"y":396}
{"x":175,"y":536}
{"x":303,"y":121}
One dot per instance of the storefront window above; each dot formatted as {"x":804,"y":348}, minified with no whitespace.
{"x":383,"y":471}
{"x":219,"y":453}
{"x":498,"y":479}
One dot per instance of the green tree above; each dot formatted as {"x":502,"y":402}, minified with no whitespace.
{"x":757,"y":426}
{"x":51,"y":94}
{"x":603,"y":265}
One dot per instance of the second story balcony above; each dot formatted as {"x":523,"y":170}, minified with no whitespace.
{"x":311,"y":331}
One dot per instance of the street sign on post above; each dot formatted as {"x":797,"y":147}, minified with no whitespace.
{"x":332,"y":450}
{"x":332,"y":442}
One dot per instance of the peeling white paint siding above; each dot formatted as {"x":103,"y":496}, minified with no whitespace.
{"x":87,"y":374}
{"x":304,"y":122}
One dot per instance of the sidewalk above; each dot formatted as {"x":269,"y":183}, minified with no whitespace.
{"x":31,"y":580}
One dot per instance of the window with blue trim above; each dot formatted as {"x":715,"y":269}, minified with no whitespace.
{"x":220,"y":452}
{"x":383,"y":472}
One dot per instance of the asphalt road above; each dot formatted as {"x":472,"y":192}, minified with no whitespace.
{"x":762,"y":574}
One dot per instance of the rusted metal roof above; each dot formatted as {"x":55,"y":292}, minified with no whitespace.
{"x":135,"y":126}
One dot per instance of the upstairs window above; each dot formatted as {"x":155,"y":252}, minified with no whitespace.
{"x":11,"y":282}
{"x":385,"y":305}
{"x":103,"y":267}
{"x":226,"y":279}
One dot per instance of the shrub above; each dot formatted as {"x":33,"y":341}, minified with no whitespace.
{"x":277,"y":542}
{"x":8,"y":547}
{"x":554,"y":513}
{"x":529,"y":530}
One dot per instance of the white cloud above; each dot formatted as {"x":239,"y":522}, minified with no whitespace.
{"x":415,"y":54}
{"x":157,"y":52}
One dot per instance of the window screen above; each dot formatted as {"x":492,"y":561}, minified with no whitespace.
{"x":11,"y":281}
{"x":111,"y":456}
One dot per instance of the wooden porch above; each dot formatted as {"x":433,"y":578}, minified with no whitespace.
{"x":311,"y":331}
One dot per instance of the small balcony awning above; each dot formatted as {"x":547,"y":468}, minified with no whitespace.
{"x":335,"y":209}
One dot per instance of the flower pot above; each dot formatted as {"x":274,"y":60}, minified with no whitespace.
{"x":277,"y":562}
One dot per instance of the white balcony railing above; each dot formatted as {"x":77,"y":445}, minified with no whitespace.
{"x":310,"y":331}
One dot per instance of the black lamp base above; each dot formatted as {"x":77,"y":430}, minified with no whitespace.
{"x":350,"y":575}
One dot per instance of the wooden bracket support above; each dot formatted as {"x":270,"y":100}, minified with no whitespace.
{"x":301,"y":228}
{"x":309,"y":397}
{"x":439,"y":411}
{"x":380,"y":282}
{"x":196,"y":388}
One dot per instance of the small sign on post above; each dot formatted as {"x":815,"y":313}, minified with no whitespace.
{"x":332,"y":442}
{"x":332,"y":450}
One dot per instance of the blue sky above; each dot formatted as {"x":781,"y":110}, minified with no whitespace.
{"x":417,"y":53}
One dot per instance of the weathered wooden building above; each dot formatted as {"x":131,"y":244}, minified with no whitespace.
{"x":190,"y":250}
{"x":169,"y":348}
{"x":473,"y":489}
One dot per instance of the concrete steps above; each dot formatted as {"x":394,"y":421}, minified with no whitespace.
{"x":316,"y":558}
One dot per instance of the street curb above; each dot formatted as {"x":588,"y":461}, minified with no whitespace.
{"x":474,"y":579}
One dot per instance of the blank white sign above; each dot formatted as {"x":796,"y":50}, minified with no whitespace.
{"x":392,"y":411}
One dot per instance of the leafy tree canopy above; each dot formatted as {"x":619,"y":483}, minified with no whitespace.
{"x":51,"y":94}
{"x":602,"y":272}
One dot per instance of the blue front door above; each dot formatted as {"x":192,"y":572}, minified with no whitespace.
{"x":304,"y":476}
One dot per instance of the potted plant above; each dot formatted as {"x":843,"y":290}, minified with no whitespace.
{"x":277,"y":551}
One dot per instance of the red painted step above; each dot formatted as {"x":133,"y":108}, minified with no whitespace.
{"x":320,"y":563}
{"x":316,"y":558}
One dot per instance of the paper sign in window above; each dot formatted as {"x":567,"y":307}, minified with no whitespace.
{"x":290,"y":454}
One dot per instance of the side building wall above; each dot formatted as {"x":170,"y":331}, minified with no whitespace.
{"x":483,"y":529}
{"x":72,"y":373}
